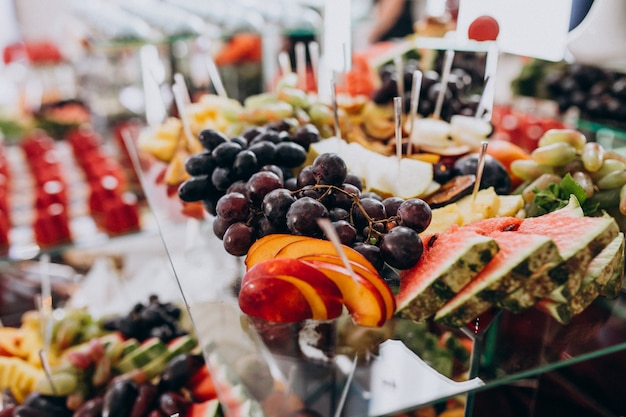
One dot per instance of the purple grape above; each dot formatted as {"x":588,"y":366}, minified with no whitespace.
{"x":329,"y":169}
{"x":401,"y":247}
{"x":264,"y":151}
{"x":220,"y":226}
{"x":233,"y":207}
{"x":303,"y":215}
{"x":391,"y":205}
{"x":222,"y":178}
{"x":345,"y":199}
{"x":345,"y":231}
{"x":374,"y":210}
{"x":414,"y":213}
{"x":276,"y":203}
{"x":245,"y":164}
{"x":289,"y":154}
{"x":337,"y":213}
{"x":238,"y":238}
{"x":211,"y":138}
{"x":260,"y":184}
{"x":291,"y":184}
{"x":201,"y":163}
{"x":275,"y":169}
{"x":305,"y":177}
{"x":371,"y":253}
{"x":196,"y":188}
{"x":238,"y":186}
{"x":306,"y":134}
{"x":225,"y":153}
{"x":354,"y":180}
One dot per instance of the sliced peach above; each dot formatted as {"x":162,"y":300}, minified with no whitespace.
{"x":362,"y":299}
{"x":321,"y":293}
{"x":268,"y":246}
{"x":366,"y":272}
{"x":313,"y":246}
{"x":274,"y":299}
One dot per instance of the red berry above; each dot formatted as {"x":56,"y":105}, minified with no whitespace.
{"x":484,"y":28}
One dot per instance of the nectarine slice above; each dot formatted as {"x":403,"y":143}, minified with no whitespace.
{"x":362,"y":299}
{"x":313,"y":246}
{"x":274,"y":299}
{"x":373,"y":277}
{"x":268,"y":246}
{"x":321,"y":293}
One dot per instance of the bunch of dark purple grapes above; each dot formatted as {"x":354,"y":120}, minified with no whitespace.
{"x":228,"y":163}
{"x":383,"y":230}
{"x":460,"y":96}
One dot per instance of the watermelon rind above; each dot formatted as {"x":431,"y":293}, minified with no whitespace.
{"x":579,"y":239}
{"x":442,"y":272}
{"x":615,"y":283}
{"x":608,"y":265}
{"x":505,"y":273}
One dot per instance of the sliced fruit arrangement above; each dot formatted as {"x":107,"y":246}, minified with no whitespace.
{"x":383,"y":230}
{"x":96,"y":371}
{"x":541,"y":260}
{"x":294,"y":278}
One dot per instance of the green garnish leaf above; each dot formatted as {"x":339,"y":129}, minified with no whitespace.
{"x":556,"y":196}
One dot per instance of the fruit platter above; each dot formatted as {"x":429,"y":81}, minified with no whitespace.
{"x":344,"y":263}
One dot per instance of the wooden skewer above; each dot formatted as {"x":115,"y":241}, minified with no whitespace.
{"x":479,"y":169}
{"x":333,"y":92}
{"x":314,"y":54}
{"x":179,"y":80}
{"x":397,"y":106}
{"x":215,"y":77}
{"x":447,"y":66}
{"x":416,"y":89}
{"x":301,"y":64}
{"x":331,"y":234}
{"x":284,"y":63}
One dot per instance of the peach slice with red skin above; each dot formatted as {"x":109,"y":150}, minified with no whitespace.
{"x":268,"y":246}
{"x":363,"y":301}
{"x":374,"y":278}
{"x":260,"y":297}
{"x":321,"y":294}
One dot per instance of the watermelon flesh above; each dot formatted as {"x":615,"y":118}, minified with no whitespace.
{"x":579,"y":240}
{"x":449,"y":261}
{"x":520,"y":257}
{"x":606,"y":268}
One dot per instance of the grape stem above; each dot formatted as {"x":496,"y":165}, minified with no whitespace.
{"x":372,"y":232}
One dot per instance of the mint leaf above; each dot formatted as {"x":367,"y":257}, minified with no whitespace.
{"x":568,"y":186}
{"x":556,"y":196}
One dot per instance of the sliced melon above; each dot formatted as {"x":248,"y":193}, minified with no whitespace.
{"x":520,"y":257}
{"x":443,"y":218}
{"x":510,"y":205}
{"x":579,"y":239}
{"x":449,"y":261}
{"x":605,"y":267}
{"x":484,"y":205}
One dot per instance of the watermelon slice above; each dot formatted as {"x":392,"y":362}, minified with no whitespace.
{"x":614,"y":284}
{"x":449,"y":261}
{"x":521,"y":257}
{"x":606,"y":267}
{"x":496,"y":224}
{"x":579,"y":239}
